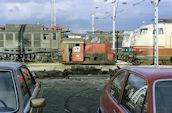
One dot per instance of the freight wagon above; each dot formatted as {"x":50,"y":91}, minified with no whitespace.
{"x":78,"y":51}
{"x":31,"y":42}
{"x":143,"y":44}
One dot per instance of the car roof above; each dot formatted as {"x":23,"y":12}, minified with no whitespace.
{"x":10,"y":65}
{"x":151,"y":72}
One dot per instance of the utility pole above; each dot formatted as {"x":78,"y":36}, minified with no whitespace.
{"x":114,"y":17}
{"x":93,"y":22}
{"x":53,"y":13}
{"x":156,"y":58}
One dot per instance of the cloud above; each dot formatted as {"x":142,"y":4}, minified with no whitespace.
{"x":27,"y":10}
{"x":77,"y":13}
{"x":73,"y":10}
{"x":23,"y":11}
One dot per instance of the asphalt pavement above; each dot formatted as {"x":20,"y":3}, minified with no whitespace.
{"x":72,"y":95}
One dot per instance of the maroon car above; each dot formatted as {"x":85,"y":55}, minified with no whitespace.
{"x":138,"y":90}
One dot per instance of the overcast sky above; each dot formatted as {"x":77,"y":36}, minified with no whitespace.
{"x":77,"y":13}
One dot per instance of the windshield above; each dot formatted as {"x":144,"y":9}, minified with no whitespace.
{"x":163,"y":97}
{"x":7,"y":93}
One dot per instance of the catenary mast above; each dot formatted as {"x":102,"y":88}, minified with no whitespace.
{"x":53,"y":13}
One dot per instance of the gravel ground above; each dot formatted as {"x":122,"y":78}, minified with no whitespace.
{"x":72,"y":96}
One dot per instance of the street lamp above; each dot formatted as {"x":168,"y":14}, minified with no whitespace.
{"x":155,"y":4}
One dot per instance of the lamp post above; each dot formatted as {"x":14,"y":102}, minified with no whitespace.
{"x":156,"y":3}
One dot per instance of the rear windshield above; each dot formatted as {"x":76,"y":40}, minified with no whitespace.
{"x":163,"y":97}
{"x":7,"y":92}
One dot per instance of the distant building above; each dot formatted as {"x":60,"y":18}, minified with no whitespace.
{"x":104,"y":36}
{"x":74,"y":35}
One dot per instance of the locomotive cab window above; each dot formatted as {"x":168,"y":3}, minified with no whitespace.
{"x":137,"y":32}
{"x":143,"y":31}
{"x":45,"y":36}
{"x":54,"y":36}
{"x":160,"y":31}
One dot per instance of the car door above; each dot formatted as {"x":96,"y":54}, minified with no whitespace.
{"x":134,"y":98}
{"x":112,"y":94}
{"x":29,"y":88}
{"x":116,"y":88}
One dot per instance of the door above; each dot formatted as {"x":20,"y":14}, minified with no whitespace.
{"x":111,"y":95}
{"x":115,"y":91}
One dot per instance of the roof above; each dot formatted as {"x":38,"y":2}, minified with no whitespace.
{"x":151,"y":72}
{"x":160,"y":25}
{"x":9,"y":65}
{"x":165,"y":20}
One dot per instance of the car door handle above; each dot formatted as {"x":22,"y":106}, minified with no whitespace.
{"x":114,"y":111}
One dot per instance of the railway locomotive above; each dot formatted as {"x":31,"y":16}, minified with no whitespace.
{"x":30,"y":42}
{"x":142,"y":42}
{"x":126,"y":51}
{"x":78,"y":51}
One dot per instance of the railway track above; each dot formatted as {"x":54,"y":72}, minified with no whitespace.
{"x":62,"y":67}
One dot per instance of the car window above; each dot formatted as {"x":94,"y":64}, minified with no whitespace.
{"x":134,"y":96}
{"x":117,"y":85}
{"x":8,"y":101}
{"x":29,"y":80}
{"x":24,"y":90}
{"x":163,"y":99}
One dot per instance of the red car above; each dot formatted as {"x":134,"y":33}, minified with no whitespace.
{"x":138,"y":90}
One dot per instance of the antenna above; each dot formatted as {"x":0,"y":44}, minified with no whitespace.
{"x":53,"y":13}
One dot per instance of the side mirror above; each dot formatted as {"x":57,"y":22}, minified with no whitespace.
{"x":39,"y":102}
